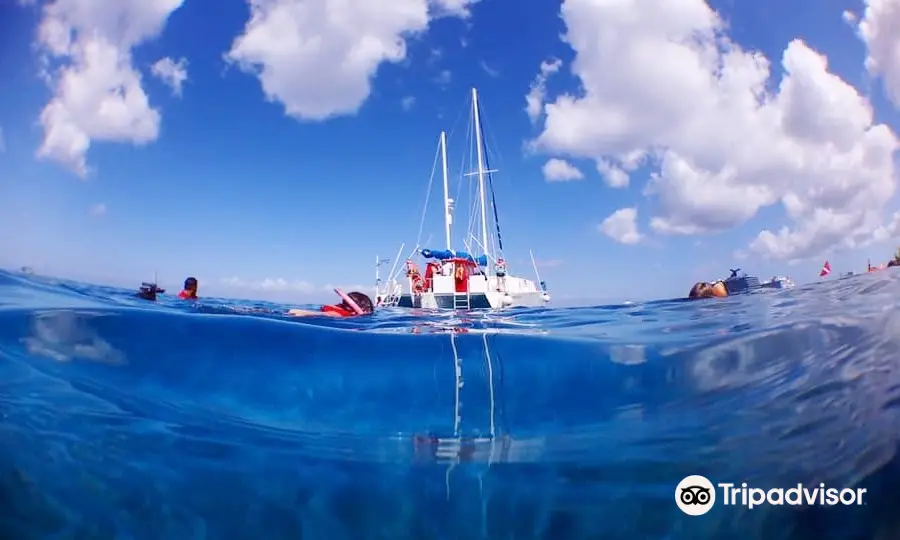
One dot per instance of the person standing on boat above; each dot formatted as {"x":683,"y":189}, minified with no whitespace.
{"x":500,"y":269}
{"x":431,"y":269}
{"x":500,"y":272}
{"x":353,"y":304}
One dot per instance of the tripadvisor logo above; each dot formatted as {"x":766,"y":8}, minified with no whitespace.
{"x":695,"y":495}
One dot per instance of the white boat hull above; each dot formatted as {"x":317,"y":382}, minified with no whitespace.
{"x":489,"y":300}
{"x":482,"y":292}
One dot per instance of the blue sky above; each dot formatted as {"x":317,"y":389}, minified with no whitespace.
{"x":221,"y":182}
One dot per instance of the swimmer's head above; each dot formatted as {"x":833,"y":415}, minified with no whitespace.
{"x":363,"y":301}
{"x":704,"y":289}
{"x":190,"y":285}
{"x":355,"y":302}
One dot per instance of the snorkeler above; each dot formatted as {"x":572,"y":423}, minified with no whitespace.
{"x":704,"y":289}
{"x":190,"y":289}
{"x":895,"y":261}
{"x":352,"y":305}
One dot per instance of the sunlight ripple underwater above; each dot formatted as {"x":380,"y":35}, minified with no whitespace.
{"x":130,"y":420}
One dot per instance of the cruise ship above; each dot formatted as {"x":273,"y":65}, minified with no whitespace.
{"x":739,"y":282}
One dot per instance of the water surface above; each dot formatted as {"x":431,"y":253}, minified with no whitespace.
{"x":123,"y":419}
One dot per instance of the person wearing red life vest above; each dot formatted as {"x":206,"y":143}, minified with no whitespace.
{"x":352,"y":304}
{"x":190,"y":289}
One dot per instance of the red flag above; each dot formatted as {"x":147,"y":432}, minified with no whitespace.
{"x":826,"y":269}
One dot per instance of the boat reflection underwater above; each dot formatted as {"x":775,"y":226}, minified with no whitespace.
{"x":483,"y":440}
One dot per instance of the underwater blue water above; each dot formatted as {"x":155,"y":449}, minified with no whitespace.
{"x":125,"y":419}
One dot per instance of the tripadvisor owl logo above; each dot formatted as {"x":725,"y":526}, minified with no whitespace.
{"x":695,"y":495}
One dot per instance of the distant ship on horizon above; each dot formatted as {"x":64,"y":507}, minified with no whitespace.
{"x":740,"y":282}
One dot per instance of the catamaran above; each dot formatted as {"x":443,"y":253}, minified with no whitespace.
{"x":459,"y":279}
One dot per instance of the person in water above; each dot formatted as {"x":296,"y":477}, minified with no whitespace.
{"x":704,"y":289}
{"x":352,"y":304}
{"x":190,"y":289}
{"x":895,"y":261}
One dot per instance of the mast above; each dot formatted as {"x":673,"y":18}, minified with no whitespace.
{"x":447,"y":216}
{"x":480,"y":150}
{"x":377,"y":273}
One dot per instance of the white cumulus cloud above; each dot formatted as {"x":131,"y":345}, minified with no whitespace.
{"x":614,"y":175}
{"x":560,"y":170}
{"x":365,"y":289}
{"x":278,"y":284}
{"x":880,"y":30}
{"x":318,"y":57}
{"x":171,"y":72}
{"x":723,"y":140}
{"x":534,"y":101}
{"x":622,"y":226}
{"x":86,"y":51}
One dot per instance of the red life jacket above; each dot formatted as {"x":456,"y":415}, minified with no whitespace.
{"x":185,"y":295}
{"x":340,"y":310}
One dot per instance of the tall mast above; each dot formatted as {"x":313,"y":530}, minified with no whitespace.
{"x":480,"y":150}
{"x":448,"y":218}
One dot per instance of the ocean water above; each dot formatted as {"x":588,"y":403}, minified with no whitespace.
{"x":124,"y":419}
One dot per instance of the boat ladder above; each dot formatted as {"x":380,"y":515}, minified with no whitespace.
{"x":461,"y":301}
{"x":391,"y":295}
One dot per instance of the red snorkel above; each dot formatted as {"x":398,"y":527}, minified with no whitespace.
{"x":350,"y":302}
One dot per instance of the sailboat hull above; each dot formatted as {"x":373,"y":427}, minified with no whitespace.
{"x":430,"y":300}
